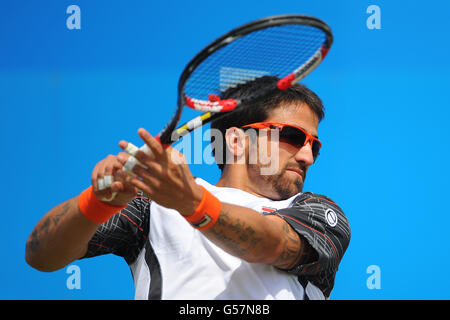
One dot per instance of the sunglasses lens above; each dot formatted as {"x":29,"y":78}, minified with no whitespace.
{"x":315,"y":149}
{"x":297,"y":138}
{"x":293,"y":136}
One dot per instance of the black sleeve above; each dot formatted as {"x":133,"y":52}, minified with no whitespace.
{"x":324,"y":225}
{"x":125,"y":233}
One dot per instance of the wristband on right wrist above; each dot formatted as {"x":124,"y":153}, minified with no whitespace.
{"x":207,"y":212}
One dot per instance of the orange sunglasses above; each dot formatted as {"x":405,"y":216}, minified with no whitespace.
{"x":293,"y":135}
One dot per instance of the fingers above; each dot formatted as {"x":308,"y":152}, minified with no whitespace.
{"x":129,"y":148}
{"x":129,"y":165}
{"x":151,"y":143}
{"x":161,"y":172}
{"x":105,"y":182}
{"x":145,"y":187}
{"x":132,"y":161}
{"x":102,"y":175}
{"x":109,"y":199}
{"x":151,"y":150}
{"x":135,"y":168}
{"x":102,"y":178}
{"x":132,"y":150}
{"x":157,"y":149}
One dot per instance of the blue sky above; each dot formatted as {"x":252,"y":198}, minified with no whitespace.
{"x":68,"y":96}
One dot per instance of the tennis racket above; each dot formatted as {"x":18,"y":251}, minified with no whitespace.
{"x":286,"y":46}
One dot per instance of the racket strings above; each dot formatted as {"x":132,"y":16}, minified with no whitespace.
{"x":276,"y":51}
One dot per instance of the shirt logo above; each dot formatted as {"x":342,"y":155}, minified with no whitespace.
{"x":331,"y":218}
{"x":266,"y":210}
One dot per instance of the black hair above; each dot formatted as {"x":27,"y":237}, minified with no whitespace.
{"x":258,"y":111}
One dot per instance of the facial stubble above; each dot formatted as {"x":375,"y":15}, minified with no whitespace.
{"x":279,"y":184}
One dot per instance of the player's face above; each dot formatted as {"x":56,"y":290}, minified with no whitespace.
{"x":293,"y":161}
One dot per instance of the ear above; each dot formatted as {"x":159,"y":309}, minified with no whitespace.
{"x":235,"y":139}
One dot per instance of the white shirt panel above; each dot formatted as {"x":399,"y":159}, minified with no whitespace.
{"x":193,"y":267}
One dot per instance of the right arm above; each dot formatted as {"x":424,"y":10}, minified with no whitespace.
{"x":59,"y":238}
{"x":63,"y":234}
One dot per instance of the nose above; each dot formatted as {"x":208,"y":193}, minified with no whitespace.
{"x":305,"y":154}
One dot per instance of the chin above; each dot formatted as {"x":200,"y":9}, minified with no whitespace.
{"x":279,"y":186}
{"x":286,"y":188}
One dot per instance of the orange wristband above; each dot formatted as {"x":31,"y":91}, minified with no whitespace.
{"x":95,"y":210}
{"x":207,"y":212}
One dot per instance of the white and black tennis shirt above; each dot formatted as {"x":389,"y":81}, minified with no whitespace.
{"x":169,"y":259}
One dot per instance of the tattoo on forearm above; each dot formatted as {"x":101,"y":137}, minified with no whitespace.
{"x":33,"y":242}
{"x":65,"y":208}
{"x":292,"y":249}
{"x":241,"y":238}
{"x":47,"y":223}
{"x":296,"y":251}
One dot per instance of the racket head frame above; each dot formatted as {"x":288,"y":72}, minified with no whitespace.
{"x":167,"y":137}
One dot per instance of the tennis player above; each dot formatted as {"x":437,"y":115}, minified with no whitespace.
{"x":250,"y":236}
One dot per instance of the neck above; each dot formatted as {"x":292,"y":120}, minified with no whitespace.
{"x":236,"y":176}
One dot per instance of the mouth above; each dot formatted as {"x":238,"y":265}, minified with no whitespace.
{"x":298,"y":172}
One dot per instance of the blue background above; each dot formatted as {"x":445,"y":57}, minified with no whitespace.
{"x":68,"y":96}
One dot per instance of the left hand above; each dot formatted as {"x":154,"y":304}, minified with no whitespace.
{"x":167,"y":179}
